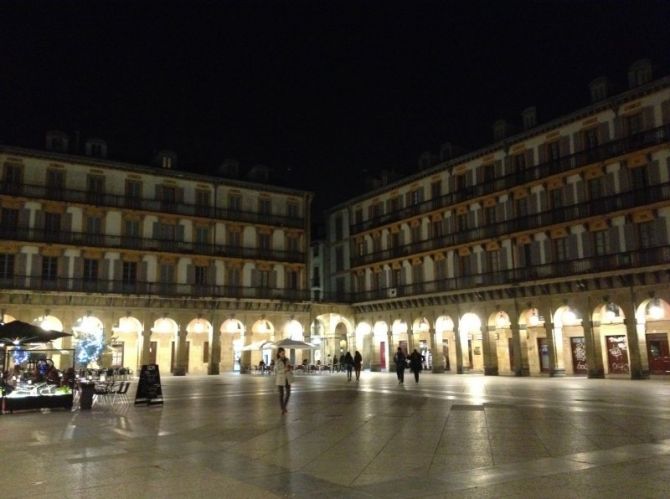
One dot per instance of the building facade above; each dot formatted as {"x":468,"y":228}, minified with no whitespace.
{"x":546,"y":252}
{"x":169,"y":267}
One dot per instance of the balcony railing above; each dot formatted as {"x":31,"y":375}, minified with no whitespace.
{"x":153,"y":205}
{"x":33,"y":283}
{"x":601,"y":206}
{"x":605,"y":151}
{"x":136,"y":243}
{"x":602,"y":263}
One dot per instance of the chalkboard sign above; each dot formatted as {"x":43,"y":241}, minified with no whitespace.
{"x":149,"y":388}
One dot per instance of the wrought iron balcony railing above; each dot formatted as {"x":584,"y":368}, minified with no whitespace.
{"x":60,"y":284}
{"x":564,"y":269}
{"x":605,"y":151}
{"x":153,"y":205}
{"x":159,"y":245}
{"x":601,"y":206}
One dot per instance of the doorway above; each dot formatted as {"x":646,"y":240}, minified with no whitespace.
{"x":578,"y":351}
{"x":617,"y":354}
{"x":659,"y":353}
{"x":543,"y":351}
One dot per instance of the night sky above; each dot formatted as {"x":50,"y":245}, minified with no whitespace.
{"x":319,"y":90}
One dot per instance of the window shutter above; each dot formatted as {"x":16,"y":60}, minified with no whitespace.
{"x":273,"y":279}
{"x":471,"y":219}
{"x":665,"y":111}
{"x":581,"y":191}
{"x":661,"y":231}
{"x":603,"y":133}
{"x":542,"y":153}
{"x":20,"y":264}
{"x":451,"y":183}
{"x":408,"y":199}
{"x":573,"y":246}
{"x":587,"y":244}
{"x":180,"y":233}
{"x":530,"y":158}
{"x":24,"y":218}
{"x":509,"y":165}
{"x":544,"y":202}
{"x":578,"y":141}
{"x":624,"y":179}
{"x":255,"y":279}
{"x":159,"y":192}
{"x":564,"y":146}
{"x":156,"y":231}
{"x":67,"y":223}
{"x":648,"y":118}
{"x":470,"y":178}
{"x":39,"y":220}
{"x":118,"y":270}
{"x":504,"y":258}
{"x":630,"y":236}
{"x":190,"y":274}
{"x":104,"y":269}
{"x":211,"y":274}
{"x":535,"y":257}
{"x":610,"y":183}
{"x":619,"y":127}
{"x":569,"y":194}
{"x":78,"y":267}
{"x":143,"y":272}
{"x":479,"y":174}
{"x":654,"y":173}
{"x":614,"y":239}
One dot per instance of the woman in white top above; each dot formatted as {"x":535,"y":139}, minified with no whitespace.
{"x":283,"y":376}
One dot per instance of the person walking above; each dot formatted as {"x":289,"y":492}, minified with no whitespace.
{"x":348,"y":364}
{"x":283,"y":378}
{"x":400,"y":364}
{"x":416,"y":364}
{"x":358,"y":362}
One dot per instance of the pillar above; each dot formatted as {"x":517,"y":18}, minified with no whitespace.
{"x":490,"y":350}
{"x":594,"y":354}
{"x":214,"y":351}
{"x":436,"y":351}
{"x":458,"y":346}
{"x":181,"y":363}
{"x":637,"y":357}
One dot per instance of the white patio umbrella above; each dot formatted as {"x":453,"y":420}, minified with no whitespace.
{"x":257,"y":345}
{"x":288,"y":343}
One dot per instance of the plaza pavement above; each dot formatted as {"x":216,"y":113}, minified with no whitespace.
{"x":449,"y":436}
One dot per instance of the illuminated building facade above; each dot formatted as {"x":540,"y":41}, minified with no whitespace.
{"x":546,"y":252}
{"x":170,"y":267}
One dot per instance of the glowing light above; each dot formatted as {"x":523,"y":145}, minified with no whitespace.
{"x":533,"y":320}
{"x":443,"y":324}
{"x":569,"y":317}
{"x":502,"y":321}
{"x":380,"y":329}
{"x":294,"y":330}
{"x":656,"y":311}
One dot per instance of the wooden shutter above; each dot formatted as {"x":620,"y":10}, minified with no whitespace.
{"x":20,"y":264}
{"x":564,"y":146}
{"x":104,"y":269}
{"x":273,"y":279}
{"x":603,"y":132}
{"x":581,"y":191}
{"x":543,"y":201}
{"x":654,"y":173}
{"x":648,"y":117}
{"x":39,"y":220}
{"x":78,"y":267}
{"x":630,"y":236}
{"x":180,"y":233}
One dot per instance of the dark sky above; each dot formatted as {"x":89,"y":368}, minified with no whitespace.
{"x":325,"y":88}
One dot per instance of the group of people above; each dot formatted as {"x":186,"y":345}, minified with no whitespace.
{"x":284,"y":373}
{"x":415,"y":361}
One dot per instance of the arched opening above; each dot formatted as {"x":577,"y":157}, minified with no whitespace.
{"x":470,"y":332}
{"x":569,"y":337}
{"x":127,"y":343}
{"x":233,"y":333}
{"x":500,"y":328}
{"x":163,"y":343}
{"x":445,"y":339}
{"x":653,"y":323}
{"x":400,"y":338}
{"x":535,"y":347}
{"x":198,"y":345}
{"x":422,"y":341}
{"x":381,"y":352}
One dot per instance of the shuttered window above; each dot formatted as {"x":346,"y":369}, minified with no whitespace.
{"x":6,"y":266}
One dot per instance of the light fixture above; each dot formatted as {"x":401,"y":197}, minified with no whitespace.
{"x":611,"y":312}
{"x":655,"y":309}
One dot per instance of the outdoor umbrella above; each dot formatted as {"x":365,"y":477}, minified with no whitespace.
{"x":288,"y":343}
{"x":20,"y":333}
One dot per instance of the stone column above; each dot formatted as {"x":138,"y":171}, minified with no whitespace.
{"x":594,"y":355}
{"x":519,"y":344}
{"x":637,"y":358}
{"x":458,"y":346}
{"x":215,"y":352}
{"x":143,"y":357}
{"x":490,"y":350}
{"x":182,"y":361}
{"x":436,"y":350}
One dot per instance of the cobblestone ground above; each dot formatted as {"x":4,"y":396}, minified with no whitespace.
{"x":448,"y":436}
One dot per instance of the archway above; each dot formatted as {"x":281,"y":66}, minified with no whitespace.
{"x":363,"y":335}
{"x":400,"y":336}
{"x":445,"y":339}
{"x":233,"y":333}
{"x":569,"y":337}
{"x":470,"y":332}
{"x":127,"y":343}
{"x":500,"y":339}
{"x":198,"y":344}
{"x":163,"y":343}
{"x":316,"y":336}
{"x":534,"y":342}
{"x":380,"y":357}
{"x":609,"y":326}
{"x":653,"y":328}
{"x":421,"y":341}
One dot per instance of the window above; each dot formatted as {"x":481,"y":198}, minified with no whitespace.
{"x":133,"y":189}
{"x":395,"y":240}
{"x":361,"y":248}
{"x":465,"y":265}
{"x":358,"y":215}
{"x":166,"y":274}
{"x":234,"y":202}
{"x":639,"y":178}
{"x":264,"y":278}
{"x":169,"y":195}
{"x":200,"y":275}
{"x":292,"y":244}
{"x":441,"y":269}
{"x":202,"y":202}
{"x":647,"y":234}
{"x":376,"y":210}
{"x":489,"y":173}
{"x":591,"y":138}
{"x":292,"y":279}
{"x":553,"y":151}
{"x":462,"y":222}
{"x":90,"y":273}
{"x":12,"y":176}
{"x":292,"y":210}
{"x":634,"y":124}
{"x":437,"y":228}
{"x":416,"y":234}
{"x":459,"y":182}
{"x":94,"y":225}
{"x":129,"y":273}
{"x":264,"y":241}
{"x":519,"y":162}
{"x":415,"y":197}
{"x":168,"y":232}
{"x":202,"y":235}
{"x":49,"y":268}
{"x":560,"y":249}
{"x":396,"y":277}
{"x":339,"y":286}
{"x":556,"y":197}
{"x":264,"y":206}
{"x":490,"y":215}
{"x":436,"y":189}
{"x":9,"y":219}
{"x":52,"y":223}
{"x":521,"y":206}
{"x":96,"y":184}
{"x":55,"y":179}
{"x":339,"y":232}
{"x":394,"y":204}
{"x":131,"y":229}
{"x":493,"y":260}
{"x":596,"y":188}
{"x":377,"y":281}
{"x":339,"y":259}
{"x":601,"y":242}
{"x":117,"y":354}
{"x":360,"y":282}
{"x":233,"y":277}
{"x":6,"y":266}
{"x":234,"y":238}
{"x":166,"y":162}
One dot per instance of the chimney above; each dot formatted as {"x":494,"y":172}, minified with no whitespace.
{"x":57,"y":141}
{"x":500,"y":130}
{"x":96,"y":148}
{"x":529,"y":117}
{"x":639,"y":73}
{"x":600,"y":88}
{"x":166,"y":159}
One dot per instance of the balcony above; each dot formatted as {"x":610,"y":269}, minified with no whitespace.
{"x":33,"y":283}
{"x":601,"y":206}
{"x":152,"y":205}
{"x":169,"y":246}
{"x":603,"y":152}
{"x":565,"y":269}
